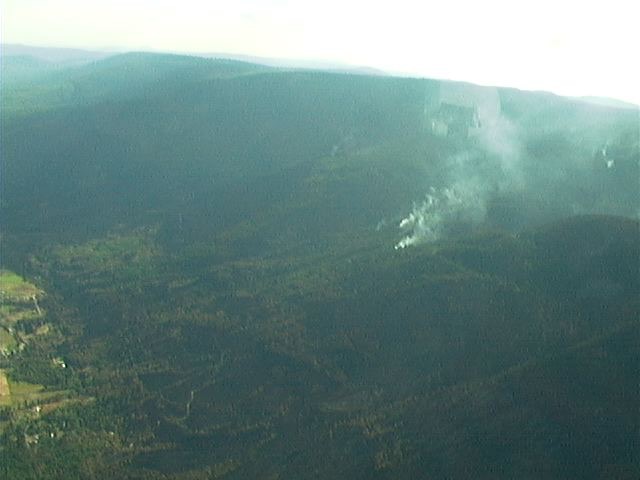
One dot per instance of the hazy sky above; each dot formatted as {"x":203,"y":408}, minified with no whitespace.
{"x":570,"y":47}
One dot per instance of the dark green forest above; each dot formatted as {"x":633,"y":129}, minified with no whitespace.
{"x":225,"y":270}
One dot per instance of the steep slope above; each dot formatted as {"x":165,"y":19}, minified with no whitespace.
{"x":149,"y":137}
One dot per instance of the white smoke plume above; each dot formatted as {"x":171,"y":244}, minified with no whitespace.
{"x":512,"y":173}
{"x":491,"y":166}
{"x":439,"y":211}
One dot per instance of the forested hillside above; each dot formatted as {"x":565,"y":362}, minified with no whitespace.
{"x":266,"y":273}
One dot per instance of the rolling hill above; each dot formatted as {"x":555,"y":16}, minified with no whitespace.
{"x":255,"y":272}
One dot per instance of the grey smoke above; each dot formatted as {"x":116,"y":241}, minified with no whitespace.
{"x":492,"y":165}
{"x":429,"y":220}
{"x":550,"y":164}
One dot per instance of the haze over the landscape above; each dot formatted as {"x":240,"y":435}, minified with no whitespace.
{"x":571,"y":47}
{"x":287,"y":258}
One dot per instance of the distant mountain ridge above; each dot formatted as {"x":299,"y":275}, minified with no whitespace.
{"x":79,"y":56}
{"x":69,"y":56}
{"x":52,"y":54}
{"x":609,"y":102}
